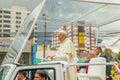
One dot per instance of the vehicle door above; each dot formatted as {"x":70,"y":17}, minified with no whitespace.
{"x":51,"y":70}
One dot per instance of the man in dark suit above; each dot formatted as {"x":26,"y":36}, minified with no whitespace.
{"x":99,"y":53}
{"x":22,"y":75}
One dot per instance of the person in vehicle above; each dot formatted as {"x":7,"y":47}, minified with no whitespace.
{"x":22,"y":75}
{"x":67,"y":52}
{"x":66,"y":48}
{"x":99,"y":53}
{"x":41,"y":75}
{"x":90,"y":56}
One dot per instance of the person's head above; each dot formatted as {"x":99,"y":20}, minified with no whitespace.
{"x":90,"y":56}
{"x":21,"y":75}
{"x":62,"y":35}
{"x":98,"y":50}
{"x":40,"y":75}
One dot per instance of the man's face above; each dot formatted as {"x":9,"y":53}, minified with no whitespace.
{"x":60,"y":37}
{"x":97,"y":51}
{"x":19,"y":76}
{"x":38,"y":77}
{"x":90,"y":56}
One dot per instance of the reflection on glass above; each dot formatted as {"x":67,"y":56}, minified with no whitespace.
{"x":15,"y":50}
{"x":72,"y":11}
{"x":18,"y":42}
{"x":3,"y":71}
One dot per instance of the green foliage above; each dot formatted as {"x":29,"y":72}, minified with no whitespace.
{"x":117,"y":57}
{"x":108,"y":52}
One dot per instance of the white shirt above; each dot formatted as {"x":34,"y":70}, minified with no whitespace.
{"x":68,"y":48}
{"x":99,"y":54}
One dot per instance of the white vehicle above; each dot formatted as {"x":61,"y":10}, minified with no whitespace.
{"x":55,"y":70}
{"x":93,"y":13}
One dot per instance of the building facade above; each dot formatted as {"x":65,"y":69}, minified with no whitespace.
{"x":11,"y":19}
{"x":10,"y":22}
{"x":82,"y":37}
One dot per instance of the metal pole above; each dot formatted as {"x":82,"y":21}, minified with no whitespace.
{"x":44,"y":52}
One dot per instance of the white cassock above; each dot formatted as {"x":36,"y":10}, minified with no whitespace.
{"x":67,"y":52}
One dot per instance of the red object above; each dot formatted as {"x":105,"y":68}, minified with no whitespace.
{"x":44,"y":14}
{"x":86,"y":69}
{"x":1,"y":42}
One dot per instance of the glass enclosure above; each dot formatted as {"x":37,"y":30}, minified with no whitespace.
{"x":62,"y":12}
{"x":15,"y":49}
{"x":72,"y":11}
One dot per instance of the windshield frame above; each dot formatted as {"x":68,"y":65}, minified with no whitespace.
{"x":6,"y":70}
{"x":3,"y":71}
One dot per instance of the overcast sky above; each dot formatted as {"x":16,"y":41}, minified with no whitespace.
{"x":30,"y":4}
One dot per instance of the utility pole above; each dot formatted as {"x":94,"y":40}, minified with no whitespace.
{"x":44,"y":52}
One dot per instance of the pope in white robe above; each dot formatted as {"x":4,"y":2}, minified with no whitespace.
{"x":67,"y":52}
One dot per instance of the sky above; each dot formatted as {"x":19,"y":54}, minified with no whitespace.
{"x":30,"y":4}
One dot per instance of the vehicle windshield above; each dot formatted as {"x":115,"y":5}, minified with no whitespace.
{"x":3,"y":71}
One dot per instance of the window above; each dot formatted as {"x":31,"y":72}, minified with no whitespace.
{"x":8,"y":12}
{"x":0,"y":11}
{"x":7,"y":21}
{"x":6,"y":16}
{"x":18,"y":22}
{"x":17,"y":26}
{"x":6,"y":30}
{"x":6,"y":35}
{"x":19,"y":13}
{"x":1,"y":58}
{"x":18,"y":17}
{"x":7,"y":26}
{"x":30,"y":74}
{"x":16,"y":31}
